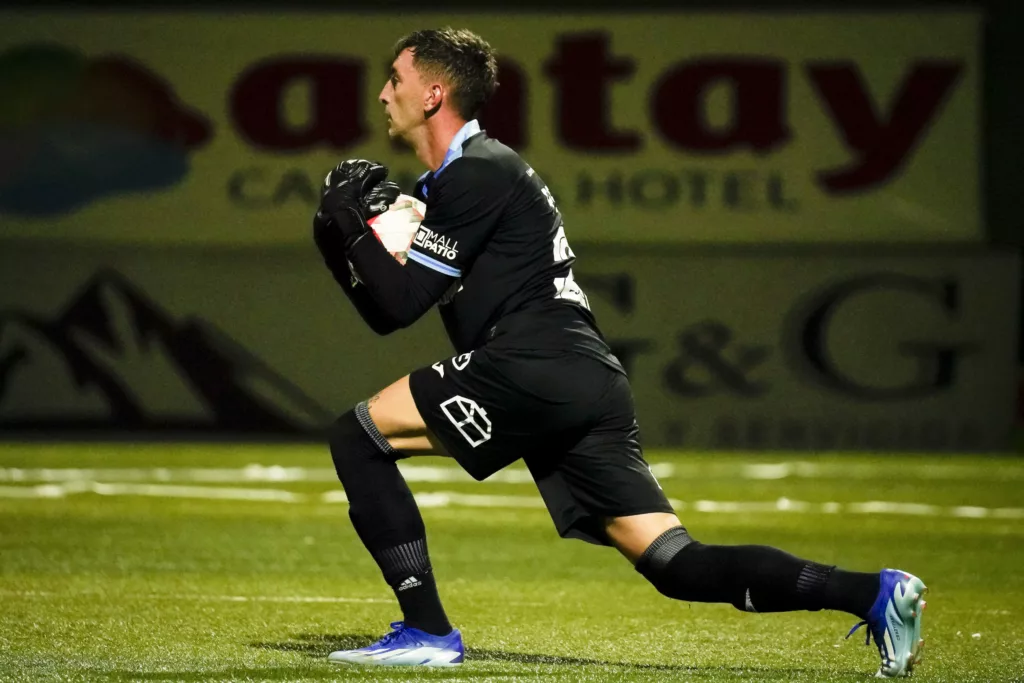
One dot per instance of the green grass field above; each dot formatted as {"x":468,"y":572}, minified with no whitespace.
{"x":205,"y":563}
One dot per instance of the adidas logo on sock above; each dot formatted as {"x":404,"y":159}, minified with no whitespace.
{"x":411,"y":582}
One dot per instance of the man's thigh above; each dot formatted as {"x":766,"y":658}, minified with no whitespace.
{"x":603,"y":476}
{"x":571,"y":419}
{"x":467,"y":407}
{"x":448,"y":408}
{"x":477,"y":413}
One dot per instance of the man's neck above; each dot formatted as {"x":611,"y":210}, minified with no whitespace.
{"x":437,"y":138}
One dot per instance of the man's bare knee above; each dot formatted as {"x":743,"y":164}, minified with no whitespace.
{"x":398,"y":420}
{"x":632,"y":535}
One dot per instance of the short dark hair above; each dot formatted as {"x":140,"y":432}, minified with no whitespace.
{"x":461,"y":58}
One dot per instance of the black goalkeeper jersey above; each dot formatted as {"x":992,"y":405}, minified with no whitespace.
{"x":492,"y":224}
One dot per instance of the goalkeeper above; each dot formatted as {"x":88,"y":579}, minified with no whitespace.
{"x":531,"y":377}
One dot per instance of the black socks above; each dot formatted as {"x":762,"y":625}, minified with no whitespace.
{"x":406,"y":568}
{"x":753,"y":578}
{"x":386,"y":518}
{"x":853,"y":592}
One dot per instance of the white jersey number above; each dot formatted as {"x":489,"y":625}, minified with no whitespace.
{"x":565,"y":287}
{"x":562,"y":250}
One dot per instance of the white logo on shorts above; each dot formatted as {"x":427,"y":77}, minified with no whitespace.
{"x":440,"y":368}
{"x":460,"y":362}
{"x":469,"y":418}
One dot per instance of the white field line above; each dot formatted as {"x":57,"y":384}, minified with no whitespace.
{"x":155,"y":490}
{"x":241,"y":475}
{"x":195,"y":597}
{"x":999,"y":471}
{"x":201,"y":598}
{"x":833,"y":508}
{"x":443,"y":499}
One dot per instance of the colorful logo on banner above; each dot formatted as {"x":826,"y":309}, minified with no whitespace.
{"x":75,"y":129}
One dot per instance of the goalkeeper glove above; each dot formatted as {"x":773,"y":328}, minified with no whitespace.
{"x":353,"y":193}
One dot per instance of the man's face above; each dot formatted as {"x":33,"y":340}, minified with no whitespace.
{"x":404,"y":96}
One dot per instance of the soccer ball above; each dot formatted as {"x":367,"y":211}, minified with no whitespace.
{"x":396,"y":227}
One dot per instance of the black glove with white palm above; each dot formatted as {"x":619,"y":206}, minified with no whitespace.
{"x":353,"y":193}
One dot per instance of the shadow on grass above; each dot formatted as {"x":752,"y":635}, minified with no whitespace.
{"x":263,"y":673}
{"x":317,"y":646}
{"x":320,"y":645}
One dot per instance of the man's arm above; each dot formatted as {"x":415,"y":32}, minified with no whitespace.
{"x":328,"y":241}
{"x":369,"y":311}
{"x":391,"y":296}
{"x":466,"y":201}
{"x":402,"y":293}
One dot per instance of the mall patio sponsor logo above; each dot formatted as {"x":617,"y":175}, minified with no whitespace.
{"x":428,"y":240}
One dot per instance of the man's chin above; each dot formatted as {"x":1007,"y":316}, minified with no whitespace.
{"x":396,"y":135}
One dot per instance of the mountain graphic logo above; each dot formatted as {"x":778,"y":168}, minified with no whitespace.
{"x":114,"y":360}
{"x":75,"y":129}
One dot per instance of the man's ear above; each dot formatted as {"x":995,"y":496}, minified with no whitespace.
{"x":434,"y":99}
{"x":435,"y":96}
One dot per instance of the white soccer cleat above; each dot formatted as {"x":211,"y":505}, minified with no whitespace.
{"x":895,"y":623}
{"x":406,"y":646}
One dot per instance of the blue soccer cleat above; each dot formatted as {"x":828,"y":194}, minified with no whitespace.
{"x":895,"y":622}
{"x":406,"y":646}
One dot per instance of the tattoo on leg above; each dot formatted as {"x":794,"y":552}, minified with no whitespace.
{"x":373,"y":399}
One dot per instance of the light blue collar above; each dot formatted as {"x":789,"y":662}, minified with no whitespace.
{"x":467,"y":131}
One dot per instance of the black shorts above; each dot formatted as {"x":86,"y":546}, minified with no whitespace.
{"x":570,"y":417}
